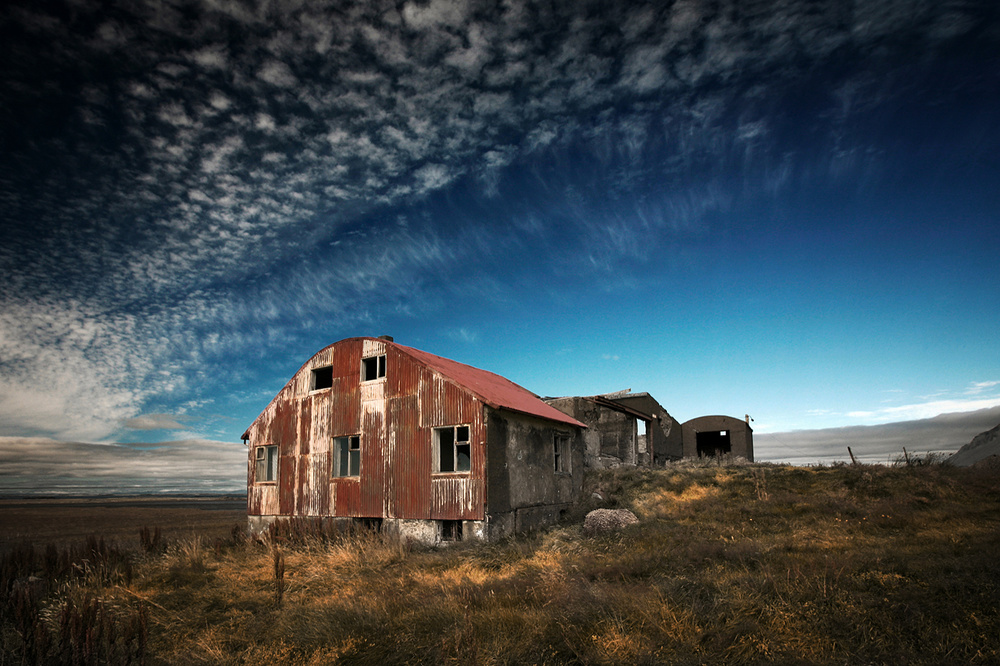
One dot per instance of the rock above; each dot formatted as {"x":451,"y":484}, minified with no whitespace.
{"x":990,"y":464}
{"x":601,"y":521}
{"x":982,"y":446}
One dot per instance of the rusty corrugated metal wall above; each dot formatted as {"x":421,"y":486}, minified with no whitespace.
{"x":394,"y":416}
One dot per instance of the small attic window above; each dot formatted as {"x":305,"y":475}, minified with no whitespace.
{"x":373,"y":368}
{"x":322,"y":378}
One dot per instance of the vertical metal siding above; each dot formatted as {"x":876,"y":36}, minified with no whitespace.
{"x":395,"y":418}
{"x":454,"y":498}
{"x":374,"y":452}
{"x":409,"y":466}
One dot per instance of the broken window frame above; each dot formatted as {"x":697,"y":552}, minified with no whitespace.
{"x":266,"y":464}
{"x":452,"y":448}
{"x":324,"y":373}
{"x":561,"y":460}
{"x":451,"y":530}
{"x":373,"y":368}
{"x":346,"y":452}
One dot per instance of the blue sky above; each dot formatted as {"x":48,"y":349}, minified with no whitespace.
{"x":787,"y":209}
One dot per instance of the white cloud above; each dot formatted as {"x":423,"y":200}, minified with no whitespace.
{"x":67,"y":370}
{"x":923,"y":410}
{"x":978,"y":387}
{"x":47,"y":466}
{"x":277,"y":73}
{"x":435,"y":13}
{"x":212,"y":57}
{"x":156,"y":422}
{"x":431,"y":176}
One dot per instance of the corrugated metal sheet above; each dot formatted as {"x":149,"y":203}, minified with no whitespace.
{"x":456,"y":498}
{"x":494,"y":390}
{"x":395,"y":417}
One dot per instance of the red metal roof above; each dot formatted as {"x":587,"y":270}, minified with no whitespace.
{"x":494,"y":390}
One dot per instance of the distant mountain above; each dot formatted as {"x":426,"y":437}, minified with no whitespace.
{"x":941,"y":435}
{"x":983,"y":445}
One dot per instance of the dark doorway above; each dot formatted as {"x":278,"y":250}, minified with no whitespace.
{"x":714,"y":443}
{"x":451,"y":530}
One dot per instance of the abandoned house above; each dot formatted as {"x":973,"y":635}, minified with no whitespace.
{"x":718,"y":435}
{"x":372,"y":432}
{"x":624,"y":428}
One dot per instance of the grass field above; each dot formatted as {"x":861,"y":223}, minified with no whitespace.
{"x":742,"y":564}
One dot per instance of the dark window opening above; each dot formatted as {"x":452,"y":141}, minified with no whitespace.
{"x":266,"y":464}
{"x":454,"y":450}
{"x":451,"y":530}
{"x":322,"y":378}
{"x":347,"y":456}
{"x":372,"y":368}
{"x":714,"y":443}
{"x":560,"y":454}
{"x":368,"y":524}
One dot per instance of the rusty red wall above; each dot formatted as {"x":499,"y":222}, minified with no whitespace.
{"x":395,"y":417}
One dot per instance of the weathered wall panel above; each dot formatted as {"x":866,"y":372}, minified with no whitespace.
{"x":456,"y":498}
{"x":408,"y":462}
{"x":373,"y":455}
{"x":395,"y":417}
{"x":529,"y":475}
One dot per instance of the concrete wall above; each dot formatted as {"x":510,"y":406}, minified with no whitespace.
{"x":612,"y":437}
{"x":424,"y":532}
{"x":739,"y":432}
{"x":524,"y":490}
{"x":664,"y":440}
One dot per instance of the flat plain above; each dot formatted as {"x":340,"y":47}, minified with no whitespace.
{"x":67,"y":521}
{"x":741,"y":564}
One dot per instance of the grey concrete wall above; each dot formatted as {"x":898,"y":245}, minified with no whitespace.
{"x":612,"y":437}
{"x":664,"y":439}
{"x":521,"y":463}
{"x":524,"y":491}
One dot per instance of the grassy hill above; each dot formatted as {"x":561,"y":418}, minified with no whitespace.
{"x":738,"y":564}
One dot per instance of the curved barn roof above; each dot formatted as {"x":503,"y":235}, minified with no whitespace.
{"x":494,"y":390}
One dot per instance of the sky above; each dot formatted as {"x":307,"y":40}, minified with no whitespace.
{"x":786,"y":209}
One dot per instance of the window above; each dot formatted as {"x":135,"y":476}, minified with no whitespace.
{"x":347,"y":456}
{"x":453,"y":453}
{"x":267,"y":464}
{"x":451,"y":530}
{"x":560,"y":453}
{"x":372,"y":368}
{"x":322,"y":378}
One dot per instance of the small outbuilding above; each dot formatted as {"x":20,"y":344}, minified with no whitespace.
{"x":624,"y":428}
{"x":372,"y":432}
{"x":708,"y":436}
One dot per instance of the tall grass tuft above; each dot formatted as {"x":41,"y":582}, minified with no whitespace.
{"x":279,"y":576}
{"x":49,"y":613}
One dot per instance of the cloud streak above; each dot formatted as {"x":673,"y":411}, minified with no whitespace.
{"x":49,"y":467}
{"x":178,"y":185}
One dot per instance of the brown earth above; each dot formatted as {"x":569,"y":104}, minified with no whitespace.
{"x":65,"y":522}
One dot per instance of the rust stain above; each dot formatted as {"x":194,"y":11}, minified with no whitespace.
{"x":395,"y":415}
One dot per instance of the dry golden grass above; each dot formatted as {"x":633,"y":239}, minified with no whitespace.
{"x":752,"y":564}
